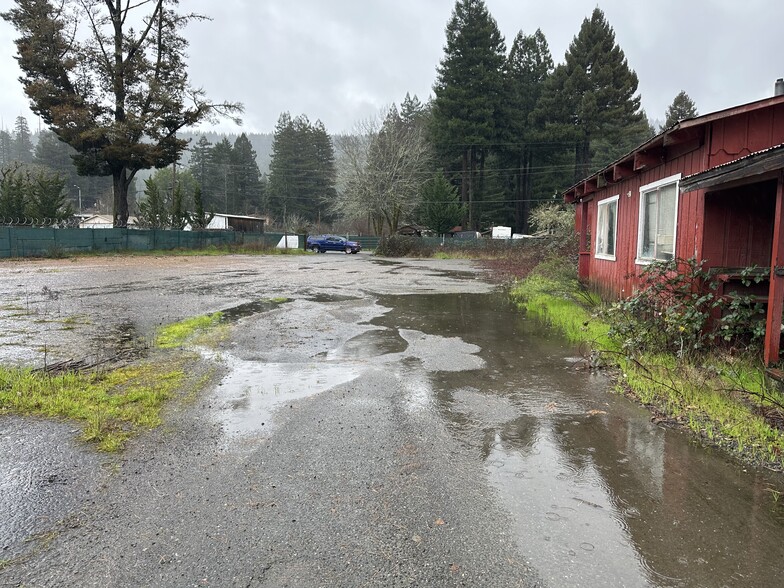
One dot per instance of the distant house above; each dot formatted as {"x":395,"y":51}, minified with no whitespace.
{"x":710,"y":187}
{"x":102,"y":221}
{"x":235,"y":222}
{"x":411,"y":230}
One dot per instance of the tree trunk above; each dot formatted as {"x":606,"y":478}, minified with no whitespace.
{"x":378,"y":225}
{"x":519,"y":191}
{"x":121,"y":181}
{"x":480,"y":157}
{"x":471,"y":188}
{"x":464,"y":194}
{"x":526,"y":193}
{"x":582,"y":159}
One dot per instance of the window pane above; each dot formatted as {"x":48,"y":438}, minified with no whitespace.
{"x":649,"y":224}
{"x":612,"y":212}
{"x":665,"y":238}
{"x":601,"y":229}
{"x":606,"y":227}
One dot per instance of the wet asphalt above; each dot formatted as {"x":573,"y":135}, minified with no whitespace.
{"x":368,"y":422}
{"x":353,"y":482}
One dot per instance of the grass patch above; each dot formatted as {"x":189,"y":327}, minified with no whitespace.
{"x":726,"y":401}
{"x":112,"y":406}
{"x":552,"y":293}
{"x":189,"y":330}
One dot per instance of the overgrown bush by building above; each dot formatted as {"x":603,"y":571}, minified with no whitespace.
{"x":677,"y":309}
{"x":404,"y":246}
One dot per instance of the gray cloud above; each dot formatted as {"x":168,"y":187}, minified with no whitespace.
{"x":342,"y":60}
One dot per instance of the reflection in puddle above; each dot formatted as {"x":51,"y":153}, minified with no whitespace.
{"x":418,"y":393}
{"x":251,"y":391}
{"x":572,"y":530}
{"x":370,"y":344}
{"x":235,"y":313}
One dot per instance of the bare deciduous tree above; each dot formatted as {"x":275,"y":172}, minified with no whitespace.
{"x":381,"y":168}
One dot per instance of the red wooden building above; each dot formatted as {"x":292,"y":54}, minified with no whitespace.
{"x":710,"y":187}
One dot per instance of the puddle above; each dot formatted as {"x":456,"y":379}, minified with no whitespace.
{"x":42,"y":479}
{"x":326,"y":298}
{"x":599,"y":495}
{"x":370,"y":344}
{"x":385,"y":262}
{"x":252,"y":391}
{"x":240,"y":311}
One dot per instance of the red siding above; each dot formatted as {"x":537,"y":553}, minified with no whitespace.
{"x":735,"y":239}
{"x":616,"y":278}
{"x":739,"y":226}
{"x":745,"y":133}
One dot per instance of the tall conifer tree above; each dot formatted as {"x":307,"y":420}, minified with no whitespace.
{"x":247,"y":178}
{"x":302,"y":169}
{"x":326,"y":170}
{"x":22,"y":145}
{"x":682,"y":107}
{"x":593,"y":95}
{"x":220,"y":192}
{"x":199,"y":163}
{"x":6,"y":151}
{"x":468,"y":90}
{"x":528,"y":67}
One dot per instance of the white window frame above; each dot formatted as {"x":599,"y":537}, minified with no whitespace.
{"x":641,"y":224}
{"x":599,"y":230}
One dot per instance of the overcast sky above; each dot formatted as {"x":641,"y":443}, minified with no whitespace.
{"x":342,"y":60}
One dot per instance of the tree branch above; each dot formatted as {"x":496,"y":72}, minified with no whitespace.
{"x":97,"y":33}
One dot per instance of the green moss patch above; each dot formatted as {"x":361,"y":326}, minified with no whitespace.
{"x":189,"y":330}
{"x":112,"y":406}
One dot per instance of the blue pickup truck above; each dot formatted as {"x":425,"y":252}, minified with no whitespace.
{"x":324,"y":243}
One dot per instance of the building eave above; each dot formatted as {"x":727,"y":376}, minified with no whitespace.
{"x":651,"y":153}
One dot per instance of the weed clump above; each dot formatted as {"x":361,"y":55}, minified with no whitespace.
{"x":678,"y":309}
{"x":177,"y":334}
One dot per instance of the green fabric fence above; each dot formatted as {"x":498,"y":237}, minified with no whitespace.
{"x":52,"y":242}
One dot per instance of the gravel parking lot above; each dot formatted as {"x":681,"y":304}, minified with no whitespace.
{"x":310,"y":462}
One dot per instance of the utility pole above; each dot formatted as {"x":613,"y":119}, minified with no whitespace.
{"x":174,"y":179}
{"x":226,"y":186}
{"x":285,"y":228}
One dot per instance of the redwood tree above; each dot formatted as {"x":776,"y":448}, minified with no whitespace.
{"x":115,"y":93}
{"x":468,"y":94}
{"x":593,"y":97}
